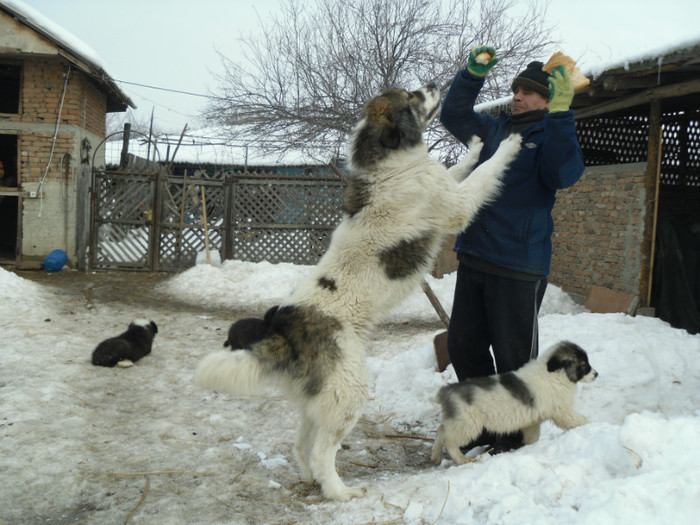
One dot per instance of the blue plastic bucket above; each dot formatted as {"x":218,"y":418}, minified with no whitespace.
{"x":55,"y":261}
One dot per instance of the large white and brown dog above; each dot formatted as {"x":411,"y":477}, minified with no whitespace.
{"x":399,"y":206}
{"x":542,"y":389}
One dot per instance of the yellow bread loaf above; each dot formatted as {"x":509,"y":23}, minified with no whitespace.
{"x":579,"y":80}
{"x":483,"y":58}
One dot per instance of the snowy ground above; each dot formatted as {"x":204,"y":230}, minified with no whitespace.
{"x":82,"y":444}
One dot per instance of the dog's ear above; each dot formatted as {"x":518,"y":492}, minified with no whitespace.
{"x":390,"y":136}
{"x":269,"y":314}
{"x":379,"y":113}
{"x":567,"y":364}
{"x":558,"y":362}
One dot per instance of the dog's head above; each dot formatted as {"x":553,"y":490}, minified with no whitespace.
{"x":149,"y":325}
{"x":245,"y":332}
{"x":572,"y":360}
{"x":394,"y":120}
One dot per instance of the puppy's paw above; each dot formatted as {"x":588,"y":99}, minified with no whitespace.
{"x":126,"y":363}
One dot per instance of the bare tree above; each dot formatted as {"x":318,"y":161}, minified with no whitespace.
{"x":307,"y":72}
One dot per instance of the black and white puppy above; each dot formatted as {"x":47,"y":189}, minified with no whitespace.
{"x":128,"y":347}
{"x":249,"y":330}
{"x":504,"y":403}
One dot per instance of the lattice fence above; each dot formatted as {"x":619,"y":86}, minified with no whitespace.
{"x":624,"y":140}
{"x":261,"y":218}
{"x":181,"y":227}
{"x":680,"y":163}
{"x":613,"y":140}
{"x":284,"y":220}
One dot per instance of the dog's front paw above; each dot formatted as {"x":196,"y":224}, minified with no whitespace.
{"x":475,"y":145}
{"x":346,"y":493}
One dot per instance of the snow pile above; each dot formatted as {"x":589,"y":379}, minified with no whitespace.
{"x":80,"y":443}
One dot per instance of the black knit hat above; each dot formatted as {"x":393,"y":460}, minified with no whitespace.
{"x":534,"y":79}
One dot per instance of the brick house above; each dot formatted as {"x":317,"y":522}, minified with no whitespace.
{"x":54,"y":96}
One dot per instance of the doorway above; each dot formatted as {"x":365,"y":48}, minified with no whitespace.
{"x":9,"y":197}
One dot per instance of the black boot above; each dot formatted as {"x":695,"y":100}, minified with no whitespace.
{"x":507,"y":442}
{"x":484,"y":440}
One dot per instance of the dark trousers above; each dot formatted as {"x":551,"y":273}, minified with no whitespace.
{"x":493,"y":311}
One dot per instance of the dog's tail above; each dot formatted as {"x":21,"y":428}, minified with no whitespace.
{"x":238,"y":372}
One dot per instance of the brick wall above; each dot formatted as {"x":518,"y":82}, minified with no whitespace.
{"x":50,"y":221}
{"x":35,"y":151}
{"x":84,"y":108}
{"x":599,"y":230}
{"x":84,"y":105}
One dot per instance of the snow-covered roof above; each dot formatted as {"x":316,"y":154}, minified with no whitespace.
{"x":71,"y":47}
{"x":685,"y":54}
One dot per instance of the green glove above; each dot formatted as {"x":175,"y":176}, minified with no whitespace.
{"x":561,"y":90}
{"x":475,"y":68}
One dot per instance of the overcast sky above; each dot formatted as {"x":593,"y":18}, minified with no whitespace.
{"x":173,"y":43}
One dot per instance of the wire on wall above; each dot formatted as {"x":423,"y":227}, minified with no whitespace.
{"x":55,"y":137}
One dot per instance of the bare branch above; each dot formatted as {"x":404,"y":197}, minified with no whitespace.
{"x":303,"y":78}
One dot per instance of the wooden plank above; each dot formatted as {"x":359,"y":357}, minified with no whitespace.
{"x":673,"y":90}
{"x":606,"y":301}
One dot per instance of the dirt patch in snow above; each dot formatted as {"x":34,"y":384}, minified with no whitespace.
{"x":143,"y":445}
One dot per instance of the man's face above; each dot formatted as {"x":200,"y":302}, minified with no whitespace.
{"x":525,"y":100}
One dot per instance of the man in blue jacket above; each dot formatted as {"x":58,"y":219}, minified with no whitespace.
{"x":504,"y":254}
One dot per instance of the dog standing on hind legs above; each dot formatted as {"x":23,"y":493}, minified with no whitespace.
{"x":399,"y":206}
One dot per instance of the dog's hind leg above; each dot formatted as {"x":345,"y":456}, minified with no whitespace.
{"x":302,"y":448}
{"x":455,"y":433}
{"x":531,"y":434}
{"x":452,"y":448}
{"x":436,"y":453}
{"x":333,"y":414}
{"x":322,"y":464}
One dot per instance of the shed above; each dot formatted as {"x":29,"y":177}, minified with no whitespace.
{"x":54,"y":97}
{"x":632,"y":223}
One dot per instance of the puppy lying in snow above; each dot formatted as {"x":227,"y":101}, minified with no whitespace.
{"x":128,"y":347}
{"x":503,"y":403}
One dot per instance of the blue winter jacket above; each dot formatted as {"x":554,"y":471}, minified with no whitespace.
{"x":515,"y":231}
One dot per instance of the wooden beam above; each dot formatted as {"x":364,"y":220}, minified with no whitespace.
{"x":653,"y":180}
{"x":646,"y":96}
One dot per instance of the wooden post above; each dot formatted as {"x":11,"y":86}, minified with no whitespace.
{"x":124,"y":159}
{"x":182,"y":217}
{"x":652,"y":192}
{"x":206,"y":228}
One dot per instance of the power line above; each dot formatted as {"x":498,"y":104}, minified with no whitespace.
{"x":170,"y":90}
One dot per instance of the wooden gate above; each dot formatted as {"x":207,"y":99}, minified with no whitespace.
{"x":121,"y":232}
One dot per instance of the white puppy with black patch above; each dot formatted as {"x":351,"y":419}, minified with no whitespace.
{"x":540,"y":390}
{"x":399,"y":206}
